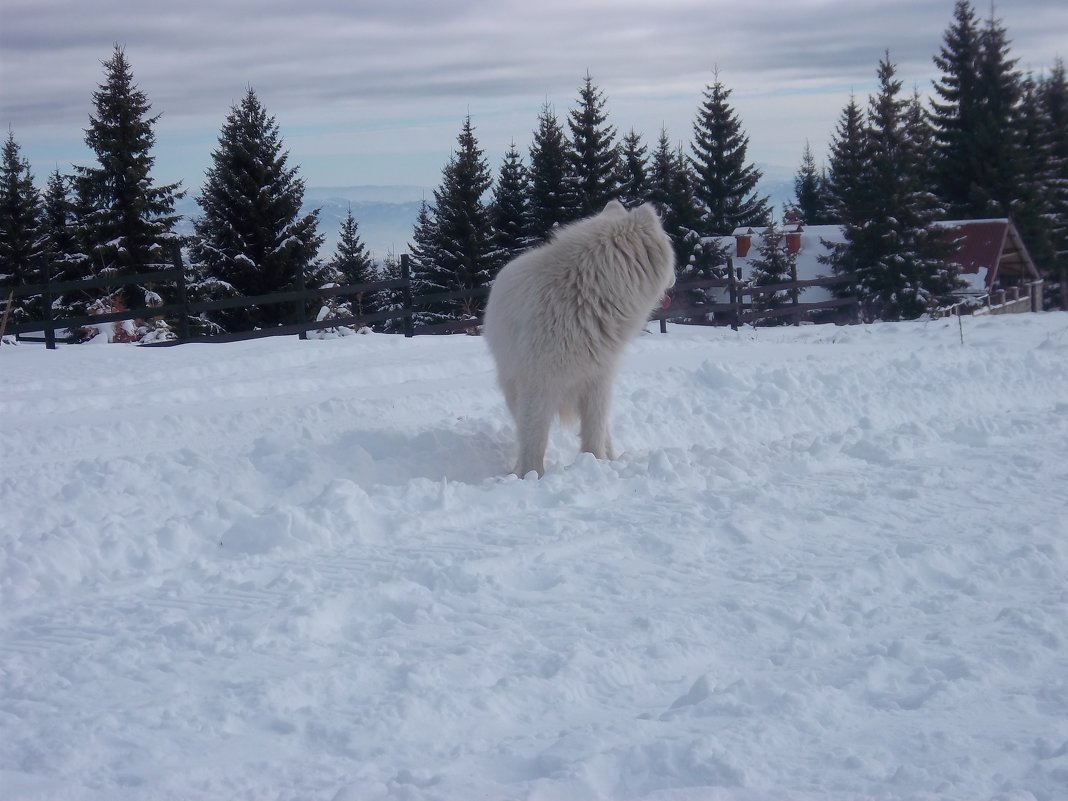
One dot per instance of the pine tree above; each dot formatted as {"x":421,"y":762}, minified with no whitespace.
{"x":1034,"y":203}
{"x":919,"y":131}
{"x":810,"y":194}
{"x":845,"y":187}
{"x":391,"y":300}
{"x":725,"y":181}
{"x":510,"y":216}
{"x":895,"y":252}
{"x":352,"y":264}
{"x":593,"y":153}
{"x":633,"y":176}
{"x":995,"y":134}
{"x":976,"y":148}
{"x":21,"y":240}
{"x":127,"y":221}
{"x":671,"y":190}
{"x":252,"y":239}
{"x":459,"y":253}
{"x":1054,"y":95}
{"x":774,"y":264}
{"x":552,"y":196}
{"x":957,"y":111}
{"x":64,"y":259}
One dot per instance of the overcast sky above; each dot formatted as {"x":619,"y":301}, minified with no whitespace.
{"x":375,"y":93}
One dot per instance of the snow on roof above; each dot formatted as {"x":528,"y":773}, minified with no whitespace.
{"x":987,"y":247}
{"x":813,"y":238}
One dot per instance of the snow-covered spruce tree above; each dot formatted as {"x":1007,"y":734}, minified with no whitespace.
{"x":995,"y":135}
{"x":21,"y":239}
{"x":126,"y":220}
{"x":895,"y":253}
{"x":810,"y":194}
{"x":978,"y":93}
{"x":510,"y":210}
{"x":1035,"y":197}
{"x":552,"y":194}
{"x":252,"y":238}
{"x":63,"y":258}
{"x":671,"y":190}
{"x":454,"y":243}
{"x":633,"y":170}
{"x":352,"y":264}
{"x":725,"y":181}
{"x":920,"y":133}
{"x":846,"y":191}
{"x":594,"y":156}
{"x":956,"y":111}
{"x":1054,"y":96}
{"x":774,"y":264}
{"x":389,"y":269}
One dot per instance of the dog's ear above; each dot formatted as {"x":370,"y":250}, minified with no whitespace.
{"x":614,"y":207}
{"x":647,"y":211}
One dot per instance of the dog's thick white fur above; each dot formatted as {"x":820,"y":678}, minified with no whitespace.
{"x":560,"y":315}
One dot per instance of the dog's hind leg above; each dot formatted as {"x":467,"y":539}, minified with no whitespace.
{"x":595,"y":402}
{"x":535,"y":410}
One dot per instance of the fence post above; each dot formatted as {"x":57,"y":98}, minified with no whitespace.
{"x":795,"y":293}
{"x":735,"y":295}
{"x":49,"y":312}
{"x":406,"y":295}
{"x":302,"y":306}
{"x":183,"y":298}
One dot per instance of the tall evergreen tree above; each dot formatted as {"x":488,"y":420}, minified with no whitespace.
{"x":845,"y":185}
{"x":633,"y":170}
{"x":510,"y":215}
{"x":810,"y":195}
{"x":64,"y":259}
{"x":1034,"y":203}
{"x":671,"y":190}
{"x":21,"y":240}
{"x":352,"y":264}
{"x":252,"y":238}
{"x":725,"y":181}
{"x":957,"y":111}
{"x":979,"y":91}
{"x":593,"y":153}
{"x":127,"y":221}
{"x":895,"y":252}
{"x":1054,"y":94}
{"x":995,"y":134}
{"x":460,"y":253}
{"x":552,"y":196}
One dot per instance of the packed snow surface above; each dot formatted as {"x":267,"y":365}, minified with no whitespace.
{"x":831,"y":563}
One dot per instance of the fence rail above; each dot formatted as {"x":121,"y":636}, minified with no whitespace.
{"x":734,"y":310}
{"x":737,"y":311}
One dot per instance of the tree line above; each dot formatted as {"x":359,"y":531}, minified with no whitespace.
{"x":992,"y":142}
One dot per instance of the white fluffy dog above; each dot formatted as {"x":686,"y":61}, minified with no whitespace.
{"x":559,"y":316}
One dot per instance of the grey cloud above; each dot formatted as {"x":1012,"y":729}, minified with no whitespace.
{"x":338,"y":60}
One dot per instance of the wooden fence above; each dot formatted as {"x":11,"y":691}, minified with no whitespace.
{"x":182,"y":310}
{"x":735,"y":310}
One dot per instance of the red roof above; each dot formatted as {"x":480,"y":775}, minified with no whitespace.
{"x":992,"y":244}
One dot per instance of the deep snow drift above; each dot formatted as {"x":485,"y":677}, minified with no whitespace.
{"x":831,"y":563}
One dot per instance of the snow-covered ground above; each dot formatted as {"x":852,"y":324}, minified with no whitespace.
{"x":832,"y":563}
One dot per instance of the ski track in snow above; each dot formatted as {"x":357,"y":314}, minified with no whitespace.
{"x":831,"y":563}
